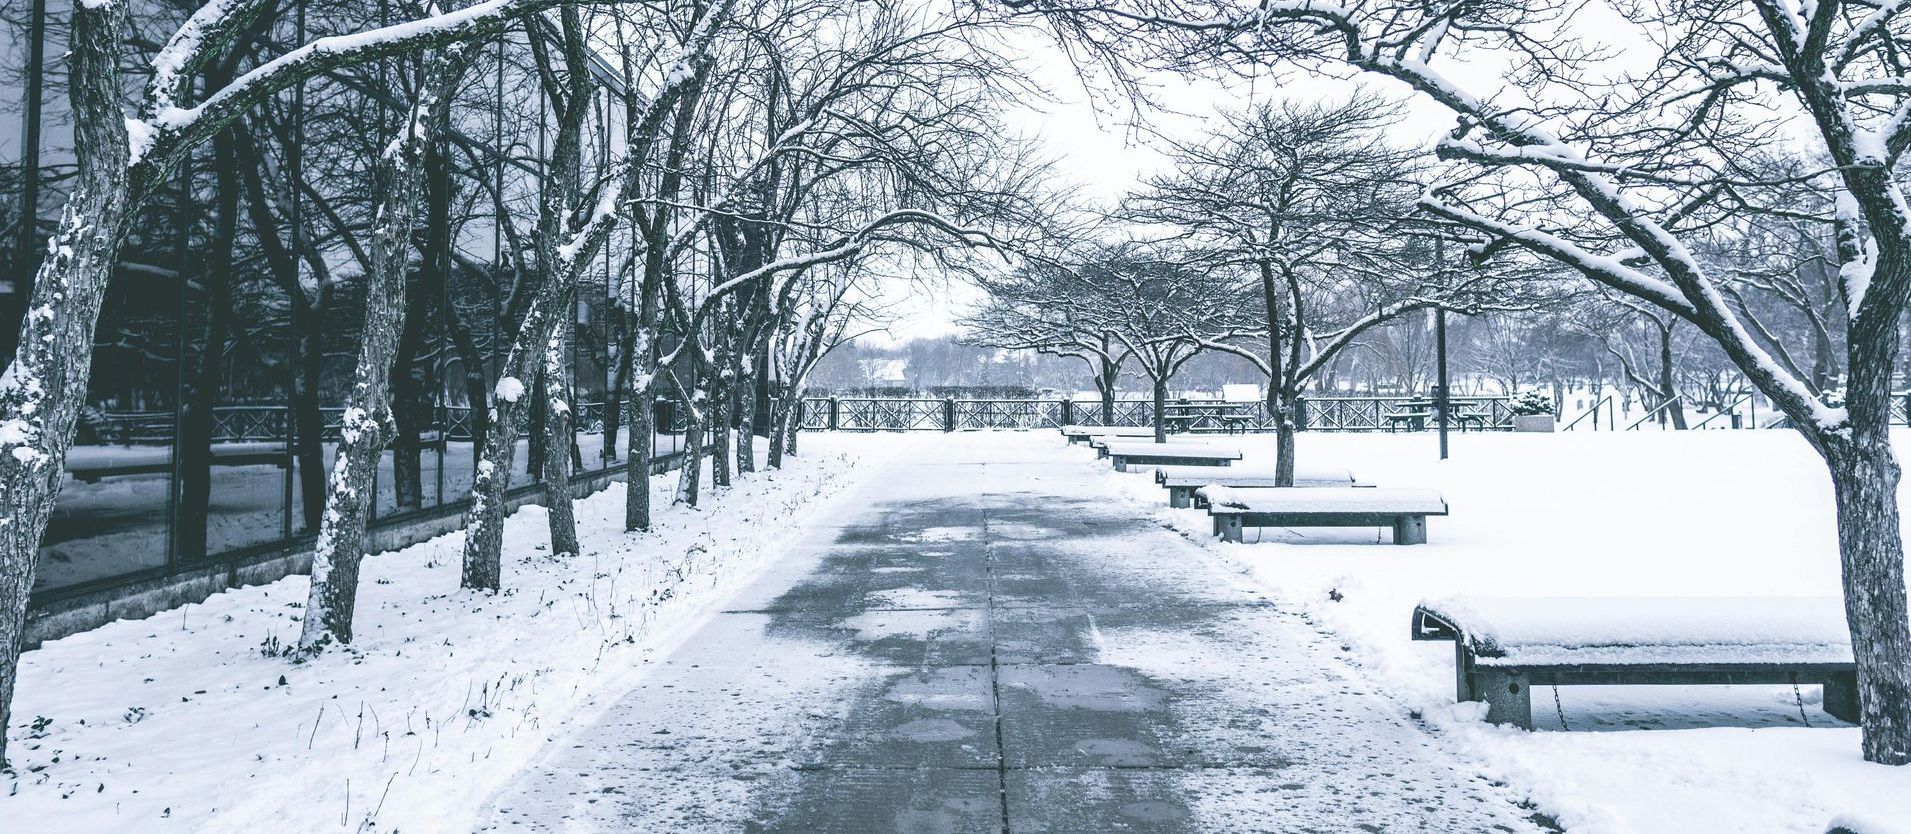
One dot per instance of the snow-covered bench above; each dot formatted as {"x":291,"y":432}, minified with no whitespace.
{"x":1505,"y":647}
{"x":1100,"y":442}
{"x":1405,"y":510}
{"x":1076,"y":434}
{"x":1125,"y":455}
{"x":1182,"y":482}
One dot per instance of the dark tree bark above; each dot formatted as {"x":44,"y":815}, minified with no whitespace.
{"x":200,"y":389}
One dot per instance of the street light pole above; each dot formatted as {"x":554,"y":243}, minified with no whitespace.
{"x":1442,"y":401}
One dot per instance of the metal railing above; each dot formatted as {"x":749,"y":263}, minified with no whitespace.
{"x":1590,"y":412}
{"x":1656,"y":410}
{"x":925,"y":414}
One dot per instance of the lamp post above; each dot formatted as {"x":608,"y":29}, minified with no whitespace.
{"x":1441,"y":400}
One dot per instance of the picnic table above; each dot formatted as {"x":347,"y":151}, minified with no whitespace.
{"x":1186,"y":416}
{"x":1414,"y":414}
{"x":1405,"y":510}
{"x":1505,"y":647}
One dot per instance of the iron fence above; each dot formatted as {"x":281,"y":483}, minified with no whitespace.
{"x":1314,"y":413}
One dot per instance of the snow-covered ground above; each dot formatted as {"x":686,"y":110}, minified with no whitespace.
{"x":1658,"y":514}
{"x":181,"y":722}
{"x":191,"y":720}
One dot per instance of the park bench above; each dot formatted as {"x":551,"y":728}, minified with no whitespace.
{"x":1125,"y":455}
{"x":1505,"y":647}
{"x":1405,"y":510}
{"x":1100,"y":443}
{"x":1078,"y":434}
{"x":1183,"y":482}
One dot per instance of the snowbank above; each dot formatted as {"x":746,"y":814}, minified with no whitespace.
{"x":193,"y":721}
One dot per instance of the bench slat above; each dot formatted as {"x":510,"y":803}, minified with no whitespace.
{"x":1369,"y":500}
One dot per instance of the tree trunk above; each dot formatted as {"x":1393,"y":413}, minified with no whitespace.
{"x":1280,"y":406}
{"x":746,"y":416}
{"x":200,"y":393}
{"x":722,"y":393}
{"x":620,"y":384}
{"x":780,"y":411}
{"x":410,"y":414}
{"x":1865,"y":478}
{"x":310,"y":444}
{"x":43,"y":388}
{"x":557,"y":444}
{"x":368,"y":423}
{"x":692,"y":475}
{"x":1105,"y":386}
{"x":643,"y":418}
{"x":1161,"y":402}
{"x":1675,"y":410}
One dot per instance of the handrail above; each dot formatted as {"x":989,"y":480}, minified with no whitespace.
{"x":1588,"y":413}
{"x":1726,"y":410}
{"x":1675,"y":399}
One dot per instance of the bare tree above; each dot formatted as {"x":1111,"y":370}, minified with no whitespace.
{"x":368,"y":414}
{"x":1309,"y":204}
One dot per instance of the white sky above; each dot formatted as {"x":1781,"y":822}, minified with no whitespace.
{"x":1101,"y":157}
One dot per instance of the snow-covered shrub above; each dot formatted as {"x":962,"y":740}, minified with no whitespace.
{"x":1525,"y":403}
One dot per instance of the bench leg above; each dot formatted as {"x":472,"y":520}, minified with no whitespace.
{"x":1229,"y":526}
{"x":1180,"y":498}
{"x":1121,"y":464}
{"x":1841,"y":696}
{"x":1508,"y":697}
{"x":1410,"y":529}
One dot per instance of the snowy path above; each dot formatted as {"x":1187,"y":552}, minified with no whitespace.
{"x":993,"y":642}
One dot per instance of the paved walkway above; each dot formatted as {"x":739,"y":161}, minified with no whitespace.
{"x":992,"y":642}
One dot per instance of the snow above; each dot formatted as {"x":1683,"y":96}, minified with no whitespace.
{"x":1711,"y":514}
{"x":456,"y":691}
{"x":509,"y":389}
{"x":1246,"y":475}
{"x":1327,"y":499}
{"x":1546,"y":630}
{"x":191,"y":721}
{"x":1178,"y":447}
{"x":1110,"y":431}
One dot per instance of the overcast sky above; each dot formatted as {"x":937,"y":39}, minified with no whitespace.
{"x":1101,"y":155}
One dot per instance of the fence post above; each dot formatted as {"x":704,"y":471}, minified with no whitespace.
{"x":835,"y":414}
{"x":1068,"y":412}
{"x":948,"y":414}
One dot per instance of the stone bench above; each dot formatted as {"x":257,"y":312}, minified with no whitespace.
{"x":1405,"y":510}
{"x":1505,"y":647}
{"x":1183,"y":482}
{"x":1125,"y":455}
{"x":1079,"y":434}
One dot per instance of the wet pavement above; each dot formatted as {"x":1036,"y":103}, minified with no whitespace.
{"x":991,"y":640}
